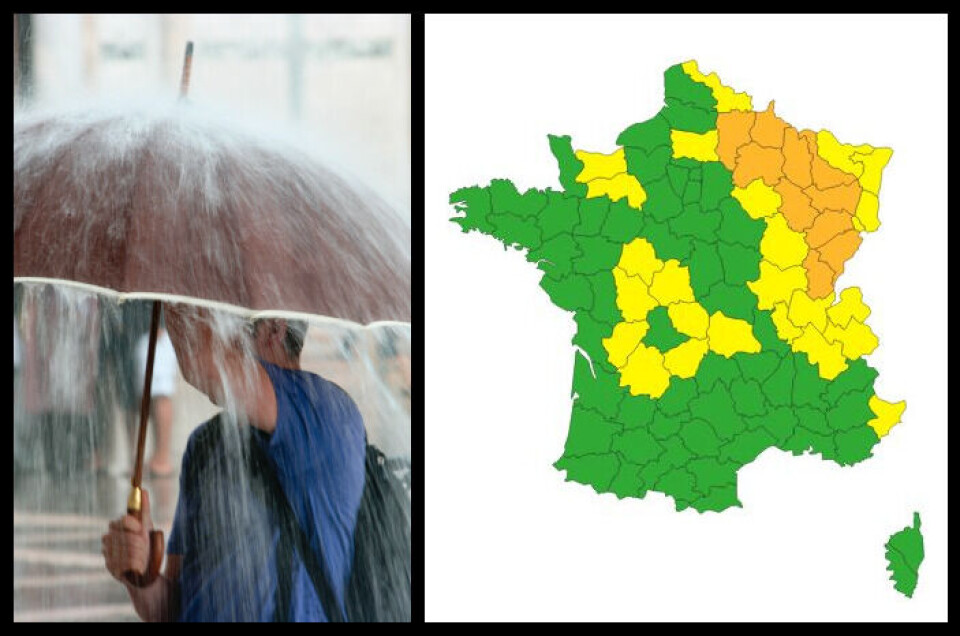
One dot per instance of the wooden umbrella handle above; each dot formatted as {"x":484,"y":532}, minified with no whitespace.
{"x":153,"y":564}
{"x":155,"y":558}
{"x":137,"y":478}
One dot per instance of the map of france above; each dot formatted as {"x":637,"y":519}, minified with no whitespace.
{"x":700,"y":260}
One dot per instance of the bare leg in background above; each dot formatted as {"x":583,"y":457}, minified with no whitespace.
{"x":161,"y":463}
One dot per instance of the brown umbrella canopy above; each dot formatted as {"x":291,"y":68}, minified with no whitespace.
{"x":177,"y":202}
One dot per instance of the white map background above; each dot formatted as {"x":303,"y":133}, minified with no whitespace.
{"x":506,"y":537}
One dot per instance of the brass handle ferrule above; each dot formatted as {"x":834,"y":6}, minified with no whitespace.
{"x":133,"y":501}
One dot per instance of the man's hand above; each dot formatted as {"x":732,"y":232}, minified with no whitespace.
{"x":126,"y":546}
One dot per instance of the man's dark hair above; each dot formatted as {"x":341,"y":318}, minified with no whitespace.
{"x":293,"y":341}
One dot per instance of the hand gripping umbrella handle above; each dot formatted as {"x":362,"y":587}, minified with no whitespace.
{"x":155,"y":558}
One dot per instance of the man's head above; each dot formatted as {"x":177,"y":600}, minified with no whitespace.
{"x":279,"y":340}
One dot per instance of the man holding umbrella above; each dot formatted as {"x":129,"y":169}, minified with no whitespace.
{"x":227,"y":559}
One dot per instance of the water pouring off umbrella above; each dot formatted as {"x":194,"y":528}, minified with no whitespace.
{"x":101,"y":198}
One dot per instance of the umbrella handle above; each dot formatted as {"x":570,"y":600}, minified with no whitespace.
{"x":155,"y":558}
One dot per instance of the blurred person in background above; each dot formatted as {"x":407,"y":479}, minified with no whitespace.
{"x":162,"y":388}
{"x":18,"y":448}
{"x":16,"y":354}
{"x":394,"y":357}
{"x":61,"y":336}
{"x":121,"y":378}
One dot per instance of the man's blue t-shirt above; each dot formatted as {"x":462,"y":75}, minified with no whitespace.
{"x":228,"y":538}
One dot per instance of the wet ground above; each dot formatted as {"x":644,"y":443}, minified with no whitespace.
{"x":58,"y":571}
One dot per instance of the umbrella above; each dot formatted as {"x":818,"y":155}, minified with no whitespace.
{"x":103,"y":198}
{"x":170,"y":203}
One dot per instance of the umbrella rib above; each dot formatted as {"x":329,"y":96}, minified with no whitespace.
{"x":40,"y":194}
{"x":129,"y":210}
{"x":230,"y":213}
